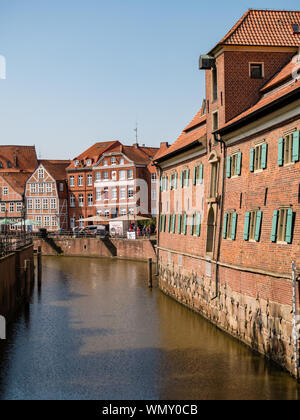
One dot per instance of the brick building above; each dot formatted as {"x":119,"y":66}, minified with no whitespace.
{"x":16,"y":165}
{"x":46,"y":195}
{"x":125,"y":181}
{"x":81,"y":183}
{"x":229,"y":190}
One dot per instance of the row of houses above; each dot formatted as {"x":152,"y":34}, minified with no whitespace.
{"x":229,"y":213}
{"x":108,"y":179}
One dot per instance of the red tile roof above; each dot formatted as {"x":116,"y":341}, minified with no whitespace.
{"x":140,"y":155}
{"x":196,"y":130}
{"x":56,"y":168}
{"x":266,"y":100}
{"x":24,"y":156}
{"x":264,"y":28}
{"x":283,"y":75}
{"x":17,"y":181}
{"x":94,"y":153}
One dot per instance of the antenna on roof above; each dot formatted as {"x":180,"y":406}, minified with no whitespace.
{"x":136,"y":134}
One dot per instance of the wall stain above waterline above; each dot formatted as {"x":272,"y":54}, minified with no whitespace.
{"x":97,"y":332}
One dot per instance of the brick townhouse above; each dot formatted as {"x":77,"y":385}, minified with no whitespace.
{"x":16,"y":165}
{"x":229,"y":190}
{"x":125,"y":181}
{"x":47,"y":196}
{"x":81,"y":183}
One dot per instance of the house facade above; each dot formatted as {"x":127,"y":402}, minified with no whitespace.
{"x":16,"y":165}
{"x":46,"y":196}
{"x":229,"y":190}
{"x":124,"y":181}
{"x":81,"y":183}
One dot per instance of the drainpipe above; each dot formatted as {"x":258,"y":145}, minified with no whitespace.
{"x":219,"y":140}
{"x":158,"y":218}
{"x":295,"y":324}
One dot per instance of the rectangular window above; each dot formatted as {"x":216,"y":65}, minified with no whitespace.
{"x":38,"y":221}
{"x":30,"y":204}
{"x":47,"y":221}
{"x":32,"y":189}
{"x":11,"y":207}
{"x":90,"y":180}
{"x":19,"y":206}
{"x":122,"y":161}
{"x":72,"y":200}
{"x":123,"y":193}
{"x":90,"y":200}
{"x":130,"y":174}
{"x":2,"y":207}
{"x":98,"y":176}
{"x":214,"y":82}
{"x":213,"y":180}
{"x":288,"y":149}
{"x":122,"y":175}
{"x":130,"y":192}
{"x":41,"y":173}
{"x":53,"y":203}
{"x":72,"y":222}
{"x":98,"y":194}
{"x":282,"y":225}
{"x":54,"y":221}
{"x":114,"y":175}
{"x":256,"y":70}
{"x":41,"y":188}
{"x":38,"y":204}
{"x":114,"y":193}
{"x":105,"y":176}
{"x":45,"y":204}
{"x":61,"y":187}
{"x":5,"y":191}
{"x":48,"y":187}
{"x":153,"y":195}
{"x":105,"y":193}
{"x":153,"y":178}
{"x":80,"y":181}
{"x":113,"y":160}
{"x":215,"y":120}
{"x":80,"y":200}
{"x":71,"y":181}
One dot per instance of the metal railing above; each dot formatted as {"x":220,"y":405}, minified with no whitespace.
{"x":71,"y":234}
{"x":11,"y":242}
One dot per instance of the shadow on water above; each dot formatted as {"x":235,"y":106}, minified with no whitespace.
{"x":96,"y":332}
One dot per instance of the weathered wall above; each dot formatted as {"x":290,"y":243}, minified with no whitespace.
{"x":247,"y":305}
{"x":94,"y":247}
{"x":13,"y":283}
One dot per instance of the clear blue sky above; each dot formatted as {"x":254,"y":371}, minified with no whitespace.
{"x":83,"y":71}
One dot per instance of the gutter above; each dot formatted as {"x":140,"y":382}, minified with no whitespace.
{"x":219,"y":140}
{"x":177,"y":152}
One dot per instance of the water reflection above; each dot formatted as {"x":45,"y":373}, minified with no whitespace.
{"x":96,"y":332}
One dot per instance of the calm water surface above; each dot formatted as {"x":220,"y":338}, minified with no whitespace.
{"x":96,"y":332}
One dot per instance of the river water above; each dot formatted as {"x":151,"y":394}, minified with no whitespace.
{"x":95,"y":331}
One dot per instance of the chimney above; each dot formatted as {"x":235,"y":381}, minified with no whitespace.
{"x":136,"y":145}
{"x":164,"y":145}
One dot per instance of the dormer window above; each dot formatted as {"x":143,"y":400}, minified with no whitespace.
{"x":256,"y":70}
{"x":296,"y":28}
{"x":105,"y":162}
{"x":76,"y":163}
{"x":88,"y":162}
{"x":8,"y":164}
{"x":122,"y":161}
{"x":1,"y":165}
{"x":113,"y":160}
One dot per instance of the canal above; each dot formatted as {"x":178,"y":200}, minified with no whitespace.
{"x":95,"y":331}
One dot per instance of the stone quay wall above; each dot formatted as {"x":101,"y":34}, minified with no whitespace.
{"x":140,"y":249}
{"x":256,"y":309}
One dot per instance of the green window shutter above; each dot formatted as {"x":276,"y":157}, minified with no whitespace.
{"x":274,"y":226}
{"x":174,"y":223}
{"x":170,"y":222}
{"x":233,"y":229}
{"x":201,"y":174}
{"x":264,"y":154}
{"x":185,"y":224}
{"x":252,"y":153}
{"x":228,"y":168}
{"x":176,"y":179}
{"x":195,"y":176}
{"x":179,"y":223}
{"x":247,"y":226}
{"x":164,"y":226}
{"x":181,"y":174}
{"x":188,"y":173}
{"x":239,"y":164}
{"x":296,"y":146}
{"x":280,"y":151}
{"x":161,"y":183}
{"x":192,"y":224}
{"x":258,"y":226}
{"x":198,"y":224}
{"x":289,"y":226}
{"x":160,"y":222}
{"x":225,"y":225}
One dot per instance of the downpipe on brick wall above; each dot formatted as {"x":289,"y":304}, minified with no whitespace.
{"x":223,"y":145}
{"x":295,"y":321}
